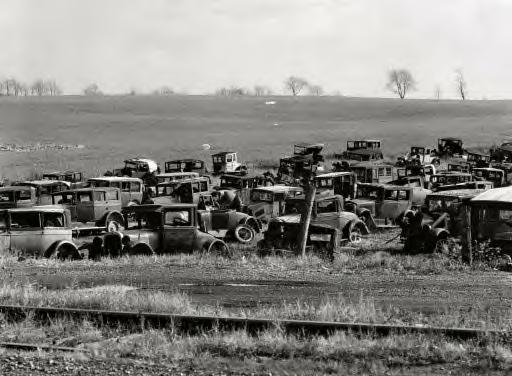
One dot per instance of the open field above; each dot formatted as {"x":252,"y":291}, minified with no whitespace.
{"x":113,"y":128}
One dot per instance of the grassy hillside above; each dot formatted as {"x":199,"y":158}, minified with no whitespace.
{"x":113,"y":128}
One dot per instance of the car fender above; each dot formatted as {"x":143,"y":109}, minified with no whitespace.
{"x":252,"y":222}
{"x":439,"y":233}
{"x":357,"y":223}
{"x":52,"y":248}
{"x":112,"y":215}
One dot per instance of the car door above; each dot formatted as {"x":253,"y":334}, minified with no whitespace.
{"x":389,"y":204}
{"x":99,"y":204}
{"x":179,"y":231}
{"x":26,"y":231}
{"x":84,"y":206}
{"x":53,"y":229}
{"x":327,"y":212}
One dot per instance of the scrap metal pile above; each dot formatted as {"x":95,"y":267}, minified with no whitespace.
{"x":434,"y":195}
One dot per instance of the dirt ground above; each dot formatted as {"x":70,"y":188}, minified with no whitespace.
{"x":244,"y":285}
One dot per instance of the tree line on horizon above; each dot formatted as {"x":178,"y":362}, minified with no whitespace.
{"x":400,"y":82}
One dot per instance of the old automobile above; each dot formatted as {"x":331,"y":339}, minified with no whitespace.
{"x":17,"y":197}
{"x":75,"y":178}
{"x":186,"y":165}
{"x":491,"y":218}
{"x":502,"y":153}
{"x":38,"y":231}
{"x":306,"y":158}
{"x":384,"y":203}
{"x":362,"y":150}
{"x":481,"y":185}
{"x":132,"y":189}
{"x":477,"y":159}
{"x":442,"y":217}
{"x":268,"y":202}
{"x":330,"y":225}
{"x":142,"y":168}
{"x":229,"y":224}
{"x":495,"y":175}
{"x":162,"y":229}
{"x":92,"y":209}
{"x":175,"y":176}
{"x":449,"y":178}
{"x":187,"y":191}
{"x":460,"y":166}
{"x":337,"y":183}
{"x":374,"y":172}
{"x":226,"y":162}
{"x":449,"y":147}
{"x":242,"y":185}
{"x":45,"y":188}
{"x":420,"y":155}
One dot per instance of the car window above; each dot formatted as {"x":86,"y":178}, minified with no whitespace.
{"x":195,"y":187}
{"x":3,"y":222}
{"x":6,"y":196}
{"x":177,"y":218}
{"x":99,"y":196}
{"x":229,"y":158}
{"x":505,"y":215}
{"x":84,"y":197}
{"x":113,"y":195}
{"x":53,"y":220}
{"x":62,"y":199}
{"x":125,"y":186}
{"x":204,"y":186}
{"x":327,"y":206}
{"x":135,"y":187}
{"x":403,"y":195}
{"x":390,"y":195}
{"x":25,"y":220}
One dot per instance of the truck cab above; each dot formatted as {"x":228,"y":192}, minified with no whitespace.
{"x":227,"y":162}
{"x":17,"y":197}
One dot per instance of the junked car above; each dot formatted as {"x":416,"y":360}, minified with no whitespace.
{"x":229,"y":224}
{"x":43,"y":231}
{"x":162,"y":229}
{"x":441,"y":179}
{"x":495,"y":175}
{"x":330,"y":225}
{"x":132,"y":189}
{"x":477,"y":159}
{"x":227,"y":163}
{"x":175,"y":176}
{"x":268,"y":202}
{"x":373,"y":172}
{"x":92,"y":209}
{"x":186,"y":165}
{"x":442,"y":217}
{"x":45,"y":188}
{"x":242,"y":185}
{"x":449,"y":146}
{"x":75,"y":178}
{"x":187,"y":191}
{"x":420,"y":155}
{"x":381,"y":205}
{"x":337,"y":183}
{"x":17,"y":197}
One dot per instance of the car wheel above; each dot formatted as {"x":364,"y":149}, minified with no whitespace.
{"x":113,"y":226}
{"x":218,"y":248}
{"x":141,"y":249}
{"x":244,"y":233}
{"x":66,"y":252}
{"x":436,"y":162}
{"x":355,"y":236}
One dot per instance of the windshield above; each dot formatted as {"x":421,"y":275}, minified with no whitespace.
{"x":261,"y":196}
{"x":229,"y":183}
{"x":7,"y":196}
{"x":325,"y":183}
{"x":372,"y":193}
{"x":441,"y":204}
{"x":147,"y":220}
{"x":294,"y":207}
{"x":166,"y":190}
{"x":63,"y":198}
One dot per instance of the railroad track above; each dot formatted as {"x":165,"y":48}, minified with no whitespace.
{"x":39,"y":347}
{"x":196,"y":324}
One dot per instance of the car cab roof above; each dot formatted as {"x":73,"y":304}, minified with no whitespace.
{"x":115,"y":179}
{"x":496,"y":195}
{"x":89,"y":189}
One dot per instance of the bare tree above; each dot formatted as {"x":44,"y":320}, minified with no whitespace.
{"x":92,"y":90}
{"x":164,"y":90}
{"x":462,"y":87}
{"x":38,"y":88}
{"x":316,"y":90}
{"x":437,"y":92}
{"x":52,"y":88}
{"x":295,"y":84}
{"x":233,"y":91}
{"x":260,"y":91}
{"x":400,"y":82}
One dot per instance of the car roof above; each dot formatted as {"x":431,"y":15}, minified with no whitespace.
{"x":62,"y":172}
{"x":156,"y":207}
{"x":496,"y":195}
{"x":115,"y":178}
{"x":489,"y":169}
{"x":364,"y":151}
{"x":278,"y":188}
{"x":319,"y":197}
{"x":385,"y":186}
{"x":40,"y":209}
{"x":366,"y":164}
{"x":334,"y":174}
{"x":172,"y":174}
{"x":190,"y":180}
{"x":309,"y":145}
{"x":450,"y":139}
{"x":88,"y":189}
{"x":44,"y":182}
{"x":241,"y":177}
{"x":462,"y":193}
{"x":223,"y":153}
{"x":364,"y":140}
{"x":452,"y":173}
{"x":16,"y":188}
{"x":185,"y":160}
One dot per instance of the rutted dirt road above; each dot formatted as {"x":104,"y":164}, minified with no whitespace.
{"x":247,"y":285}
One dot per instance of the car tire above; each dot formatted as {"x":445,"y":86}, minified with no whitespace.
{"x":141,"y":249}
{"x":218,"y":248}
{"x":113,"y":226}
{"x":244,"y":233}
{"x":355,"y":236}
{"x":65,"y":252}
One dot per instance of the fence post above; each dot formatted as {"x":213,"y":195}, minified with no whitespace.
{"x":306,"y":215}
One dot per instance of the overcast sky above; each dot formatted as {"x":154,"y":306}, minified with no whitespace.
{"x":200,"y":45}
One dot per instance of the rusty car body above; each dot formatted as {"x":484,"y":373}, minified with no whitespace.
{"x":17,"y":197}
{"x":132,"y":189}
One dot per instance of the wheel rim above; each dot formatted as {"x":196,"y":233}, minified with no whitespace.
{"x":112,"y":226}
{"x":355,"y":236}
{"x":245,"y":234}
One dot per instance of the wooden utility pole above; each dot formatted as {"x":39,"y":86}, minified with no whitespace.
{"x":310,"y":190}
{"x":468,"y":246}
